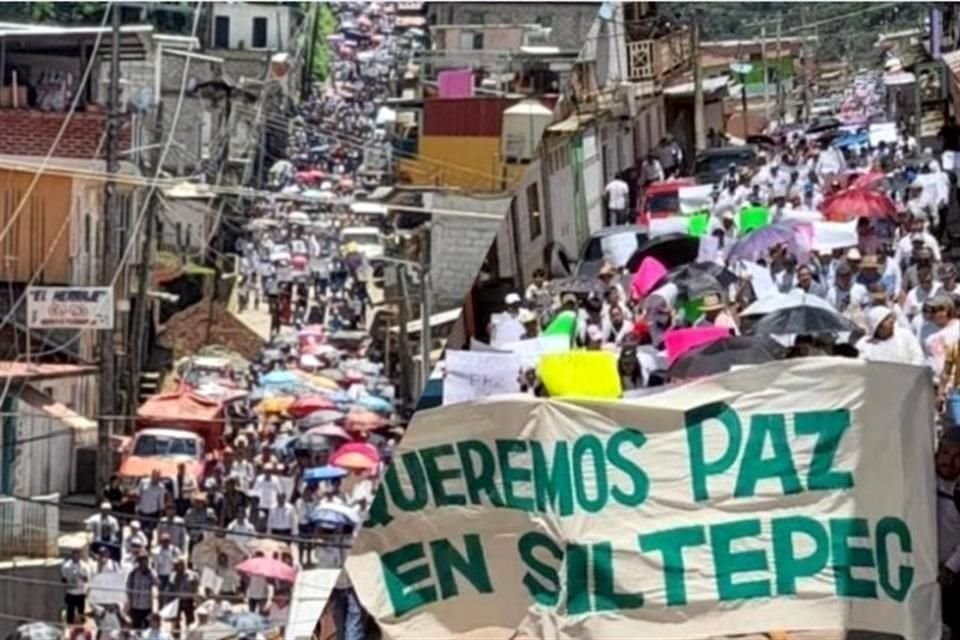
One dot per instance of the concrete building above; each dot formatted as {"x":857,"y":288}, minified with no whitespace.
{"x":250,"y":25}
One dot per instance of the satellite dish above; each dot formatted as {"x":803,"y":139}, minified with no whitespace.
{"x":742,"y":68}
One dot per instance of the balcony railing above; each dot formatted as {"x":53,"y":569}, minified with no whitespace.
{"x":655,"y":59}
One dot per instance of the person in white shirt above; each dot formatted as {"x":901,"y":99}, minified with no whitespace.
{"x":651,"y":171}
{"x":938,"y":334}
{"x":153,"y":496}
{"x":75,"y":574}
{"x":135,"y":541}
{"x":887,"y":341}
{"x":282,"y":518}
{"x":164,"y":557}
{"x":241,"y":530}
{"x":105,"y":531}
{"x":155,"y":632}
{"x":617,"y":195}
{"x":506,"y":327}
{"x":267,"y":486}
{"x":917,"y":296}
{"x":846,"y":296}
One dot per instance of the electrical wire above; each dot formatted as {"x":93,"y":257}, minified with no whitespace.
{"x":134,"y":231}
{"x":63,"y":126}
{"x":199,"y":527}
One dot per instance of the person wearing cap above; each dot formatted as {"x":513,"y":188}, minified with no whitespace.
{"x":136,"y":541}
{"x":505,"y":327}
{"x":925,"y":289}
{"x":947,"y":280}
{"x":608,"y":279}
{"x":75,"y":574}
{"x":141,"y":581}
{"x":104,"y":531}
{"x":886,"y":342}
{"x":714,"y":314}
{"x":530,"y":322}
{"x":938,"y":334}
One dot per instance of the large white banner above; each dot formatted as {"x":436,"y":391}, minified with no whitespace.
{"x":795,"y":495}
{"x":70,"y":307}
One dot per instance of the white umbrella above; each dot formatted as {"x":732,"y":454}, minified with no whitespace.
{"x":280,"y":256}
{"x":299,"y":217}
{"x":769,"y":304}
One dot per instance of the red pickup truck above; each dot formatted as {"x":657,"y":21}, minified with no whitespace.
{"x":661,"y":199}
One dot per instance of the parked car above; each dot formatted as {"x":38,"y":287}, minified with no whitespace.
{"x":712,"y":164}
{"x":615,"y":244}
{"x":661,"y":199}
{"x":368,"y":240}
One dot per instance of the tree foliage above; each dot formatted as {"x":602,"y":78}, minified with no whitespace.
{"x":850,"y":38}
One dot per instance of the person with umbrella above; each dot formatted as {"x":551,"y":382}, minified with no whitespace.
{"x":887,"y":342}
{"x":715,"y":314}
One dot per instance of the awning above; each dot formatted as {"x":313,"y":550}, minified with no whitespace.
{"x":571,"y":124}
{"x":898,"y":78}
{"x":56,"y":40}
{"x":84,"y":429}
{"x":710,"y":85}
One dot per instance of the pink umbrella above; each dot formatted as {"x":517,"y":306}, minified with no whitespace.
{"x":268,"y":568}
{"x":306,"y":405}
{"x":361,"y":420}
{"x":680,"y":341}
{"x":356,"y":455}
{"x":328,"y":431}
{"x":651,"y":271}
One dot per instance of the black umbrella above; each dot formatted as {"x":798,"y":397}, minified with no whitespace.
{"x":724,"y":276}
{"x":671,"y":250}
{"x":722,"y":355}
{"x":803,"y":320}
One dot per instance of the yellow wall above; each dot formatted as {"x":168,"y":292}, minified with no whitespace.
{"x":468,"y":162}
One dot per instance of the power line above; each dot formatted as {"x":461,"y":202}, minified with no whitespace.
{"x":63,"y":127}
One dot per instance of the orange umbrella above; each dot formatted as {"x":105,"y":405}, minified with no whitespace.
{"x":306,"y":405}
{"x":278,"y":404}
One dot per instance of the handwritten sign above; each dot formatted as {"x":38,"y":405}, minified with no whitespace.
{"x":472,"y":375}
{"x":583,"y":374}
{"x":109,"y":587}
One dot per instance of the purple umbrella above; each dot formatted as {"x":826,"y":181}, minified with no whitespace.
{"x":757,"y":243}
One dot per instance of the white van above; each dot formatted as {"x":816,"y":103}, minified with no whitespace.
{"x":368,"y":240}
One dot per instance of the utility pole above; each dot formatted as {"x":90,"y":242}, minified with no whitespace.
{"x":763,"y":64}
{"x":307,"y":79}
{"x":112,"y":243}
{"x":698,"y":125}
{"x":139,"y":330}
{"x":426,"y":306}
{"x":403,"y":317}
{"x":781,"y":101}
{"x":805,"y":54}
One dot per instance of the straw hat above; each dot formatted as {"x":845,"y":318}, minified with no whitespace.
{"x":712,"y":302}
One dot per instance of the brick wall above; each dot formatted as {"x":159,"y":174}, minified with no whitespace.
{"x":31,"y":133}
{"x":458,"y":244}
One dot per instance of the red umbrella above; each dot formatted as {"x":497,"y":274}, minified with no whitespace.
{"x":356,"y":455}
{"x":306,"y":405}
{"x":850,"y":204}
{"x":311,"y":175}
{"x":268,"y":568}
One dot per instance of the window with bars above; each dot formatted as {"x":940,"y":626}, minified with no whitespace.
{"x":533,"y":210}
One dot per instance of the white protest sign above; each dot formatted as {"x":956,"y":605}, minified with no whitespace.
{"x":747,"y":502}
{"x":709,"y":248}
{"x":882,"y":132}
{"x":108,"y":587}
{"x":828,"y":236}
{"x":618,"y":248}
{"x":210,"y":581}
{"x":531,"y":350}
{"x":695,"y":198}
{"x":475,"y":374}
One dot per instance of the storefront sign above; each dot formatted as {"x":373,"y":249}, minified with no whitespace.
{"x":70,"y":307}
{"x":794,"y":495}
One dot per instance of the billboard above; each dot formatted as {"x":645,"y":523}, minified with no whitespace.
{"x":70,"y":307}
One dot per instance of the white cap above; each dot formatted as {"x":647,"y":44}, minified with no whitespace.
{"x":512,"y":298}
{"x":727,"y":215}
{"x":853,"y":254}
